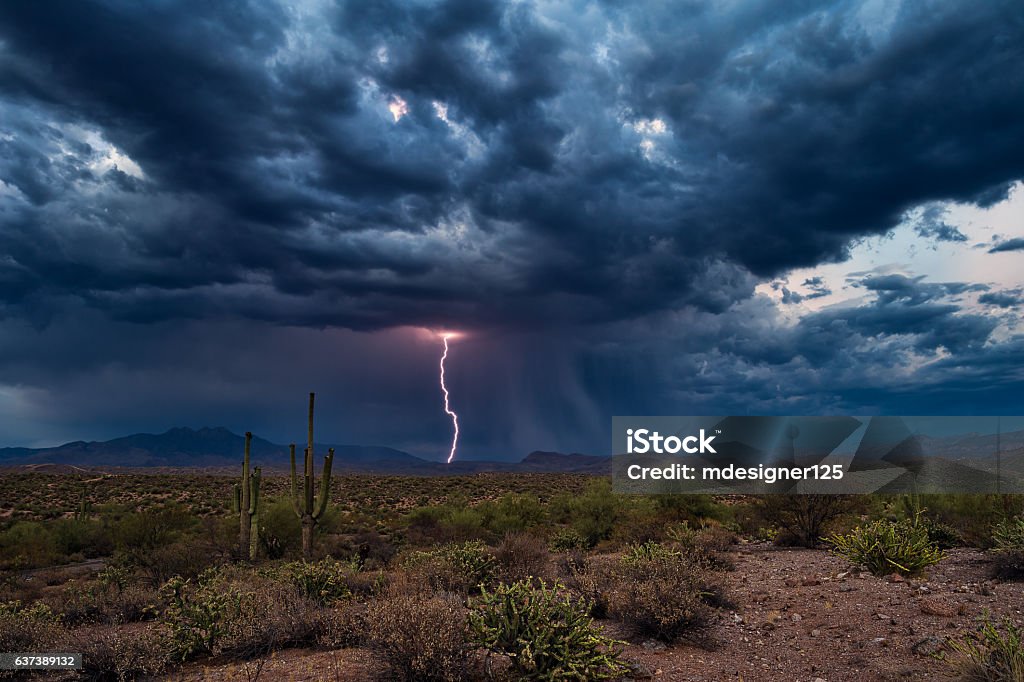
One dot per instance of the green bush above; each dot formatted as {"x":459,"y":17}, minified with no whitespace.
{"x":991,"y":655}
{"x":885,"y":547}
{"x":514,"y":512}
{"x":28,"y":544}
{"x":648,"y":551}
{"x":545,"y":633}
{"x":28,"y":627}
{"x":280,"y":529}
{"x":455,"y":567}
{"x":324,"y":582}
{"x":568,"y":539}
{"x":1008,"y":547}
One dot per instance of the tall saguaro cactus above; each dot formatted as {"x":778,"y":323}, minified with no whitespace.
{"x":247,"y":505}
{"x":309,"y":507}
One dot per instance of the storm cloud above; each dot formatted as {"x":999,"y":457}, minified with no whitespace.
{"x":555,"y":172}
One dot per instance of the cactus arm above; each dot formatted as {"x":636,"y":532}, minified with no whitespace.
{"x":295,"y":484}
{"x":325,"y":485}
{"x":236,"y":501}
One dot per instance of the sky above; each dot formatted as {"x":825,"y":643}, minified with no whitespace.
{"x":209,"y":209}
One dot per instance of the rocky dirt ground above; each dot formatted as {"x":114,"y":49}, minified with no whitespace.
{"x":800,"y":616}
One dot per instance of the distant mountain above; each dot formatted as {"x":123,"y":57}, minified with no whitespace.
{"x":184,"y":447}
{"x":540,"y":460}
{"x":219,"y":447}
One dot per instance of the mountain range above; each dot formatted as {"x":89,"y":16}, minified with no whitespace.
{"x":220,"y":447}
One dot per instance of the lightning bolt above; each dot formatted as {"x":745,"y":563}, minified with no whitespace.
{"x":447,"y":407}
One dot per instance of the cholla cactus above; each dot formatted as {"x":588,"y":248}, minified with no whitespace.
{"x":309,"y":507}
{"x":246,"y":504}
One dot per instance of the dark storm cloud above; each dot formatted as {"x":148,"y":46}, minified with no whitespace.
{"x":1016,"y":244}
{"x":1003,"y":299}
{"x":598,"y":162}
{"x":195,"y":197}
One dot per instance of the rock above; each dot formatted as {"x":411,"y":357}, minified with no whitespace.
{"x":796,"y":618}
{"x":929,"y":646}
{"x":792,"y":582}
{"x":896,"y":578}
{"x":815,"y":632}
{"x":810,"y":581}
{"x":882,"y":616}
{"x":654,"y":645}
{"x":818,"y":679}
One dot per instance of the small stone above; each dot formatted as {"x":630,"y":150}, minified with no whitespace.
{"x":654,"y":645}
{"x":792,"y":582}
{"x":895,"y":578}
{"x":929,"y":646}
{"x":881,"y":616}
{"x":796,"y":618}
{"x":815,"y":632}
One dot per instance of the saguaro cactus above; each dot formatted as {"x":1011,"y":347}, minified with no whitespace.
{"x":309,"y":507}
{"x":247,"y":505}
{"x":84,"y":506}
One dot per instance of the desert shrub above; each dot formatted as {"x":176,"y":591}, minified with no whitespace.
{"x":28,"y":627}
{"x":802,"y":519}
{"x":270,"y":616}
{"x":199,"y":612}
{"x":87,"y":537}
{"x":463,"y":524}
{"x":28,"y":544}
{"x":692,"y":508}
{"x":345,"y":625}
{"x":454,"y":567}
{"x":324,"y":582}
{"x":137,"y":533}
{"x":101,"y":601}
{"x":280,"y":529}
{"x":991,"y":655}
{"x":595,"y":512}
{"x":122,"y":654}
{"x":546,"y":633}
{"x":419,"y":639}
{"x":187,"y":558}
{"x":567,"y":539}
{"x":521,"y":556}
{"x":973,"y":517}
{"x":647,"y":551}
{"x":660,"y":595}
{"x":1008,"y":547}
{"x":514,"y":512}
{"x":373,"y":550}
{"x":885,"y":547}
{"x":705,"y":543}
{"x":942,"y":534}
